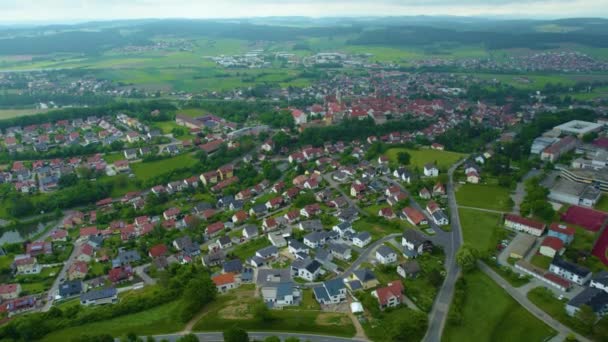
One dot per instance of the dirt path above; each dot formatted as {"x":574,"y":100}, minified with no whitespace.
{"x":360,"y":335}
{"x":193,"y":321}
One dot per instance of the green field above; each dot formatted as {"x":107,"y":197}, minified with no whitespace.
{"x":482,"y":230}
{"x":12,"y":113}
{"x":235,"y":308}
{"x":193,"y":112}
{"x":444,"y":159}
{"x":247,"y":250}
{"x":603,"y":204}
{"x":489,"y":314}
{"x":546,"y":301}
{"x":483,"y":196}
{"x":145,"y":171}
{"x":161,"y":319}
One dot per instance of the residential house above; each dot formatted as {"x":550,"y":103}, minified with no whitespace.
{"x":70,"y":288}
{"x":386,"y":255}
{"x":340,"y":251}
{"x":414,"y":216}
{"x":362,"y":239}
{"x":225,"y":282}
{"x":430,"y":170}
{"x":27,"y":265}
{"x":10,"y":291}
{"x":281,"y":294}
{"x":343,"y":228}
{"x":363,"y":278}
{"x":78,"y":270}
{"x":409,"y":269}
{"x":389,"y":296}
{"x":307,"y":269}
{"x":98,"y":297}
{"x":250,"y":231}
{"x":414,"y":241}
{"x":331,"y":292}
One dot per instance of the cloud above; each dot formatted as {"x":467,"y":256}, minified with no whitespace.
{"x":57,"y":10}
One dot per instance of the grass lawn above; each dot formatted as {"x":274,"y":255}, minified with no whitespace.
{"x":13,"y":113}
{"x":444,"y":159}
{"x":161,"y":319}
{"x":480,"y":229}
{"x":489,"y":314}
{"x":145,"y":171}
{"x":603,"y":204}
{"x":546,"y":301}
{"x":248,"y":249}
{"x":379,"y":229}
{"x":235,"y":308}
{"x":492,"y":197}
{"x":110,"y":158}
{"x":167,"y":126}
{"x":541,"y":261}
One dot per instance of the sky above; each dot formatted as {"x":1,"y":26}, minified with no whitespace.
{"x":16,"y":11}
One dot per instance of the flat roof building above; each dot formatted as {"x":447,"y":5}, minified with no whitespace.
{"x":578,"y":127}
{"x":521,"y":246}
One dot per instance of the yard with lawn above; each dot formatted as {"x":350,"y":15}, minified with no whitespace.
{"x":483,"y":196}
{"x":378,"y":228}
{"x":419,"y":158}
{"x":161,"y":319}
{"x":248,"y":249}
{"x":145,"y":171}
{"x":546,"y":301}
{"x":37,"y":283}
{"x":236,"y":308}
{"x":602,"y":204}
{"x":541,"y":261}
{"x":489,"y":314}
{"x":482,"y":230}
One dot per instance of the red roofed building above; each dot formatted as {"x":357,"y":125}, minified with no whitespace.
{"x":59,"y":235}
{"x":525,"y":225}
{"x":157,"y":251}
{"x":224,"y":282}
{"x":119,"y":274}
{"x":551,"y":247}
{"x":78,"y":270}
{"x":389,"y":296}
{"x":240,"y":216}
{"x":38,"y":248}
{"x":88,"y":231}
{"x":10,"y":291}
{"x":562,"y":231}
{"x":387,"y":213}
{"x":214,"y":228}
{"x":414,"y":216}
{"x":171,"y":213}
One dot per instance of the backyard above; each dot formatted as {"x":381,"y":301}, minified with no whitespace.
{"x":145,"y":171}
{"x":503,"y":320}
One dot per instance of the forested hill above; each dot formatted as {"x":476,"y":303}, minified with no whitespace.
{"x":92,"y":38}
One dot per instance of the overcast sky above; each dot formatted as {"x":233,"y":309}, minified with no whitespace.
{"x":12,"y":11}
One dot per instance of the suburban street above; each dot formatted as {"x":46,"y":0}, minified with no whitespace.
{"x":61,"y":277}
{"x":451,"y":242}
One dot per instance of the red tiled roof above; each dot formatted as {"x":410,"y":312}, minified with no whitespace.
{"x":223,"y":279}
{"x":414,"y":215}
{"x":158,"y":250}
{"x":552,"y":242}
{"x":562,"y":228}
{"x":394,"y":289}
{"x":524,"y":221}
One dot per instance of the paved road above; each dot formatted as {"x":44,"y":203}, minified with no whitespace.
{"x":523,"y":300}
{"x":364,"y":256}
{"x":350,"y":201}
{"x":451,"y":242}
{"x":217,"y":336}
{"x":61,"y":276}
{"x":141,"y":272}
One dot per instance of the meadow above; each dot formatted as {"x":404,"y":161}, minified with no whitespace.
{"x":419,"y":158}
{"x":161,"y":319}
{"x":482,"y":230}
{"x":484,"y":196}
{"x":145,"y":171}
{"x":503,"y":320}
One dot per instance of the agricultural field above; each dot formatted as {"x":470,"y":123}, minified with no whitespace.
{"x":503,"y":320}
{"x":236,"y":308}
{"x":419,"y":158}
{"x":482,"y":230}
{"x":13,"y":113}
{"x":161,"y":319}
{"x":484,"y":196}
{"x":145,"y":171}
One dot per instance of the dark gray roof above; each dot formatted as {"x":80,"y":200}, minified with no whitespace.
{"x":601,"y":277}
{"x":571,"y":267}
{"x":233,"y":266}
{"x":70,"y":288}
{"x":364,"y":274}
{"x":98,"y":294}
{"x":597,"y":299}
{"x":385,"y":251}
